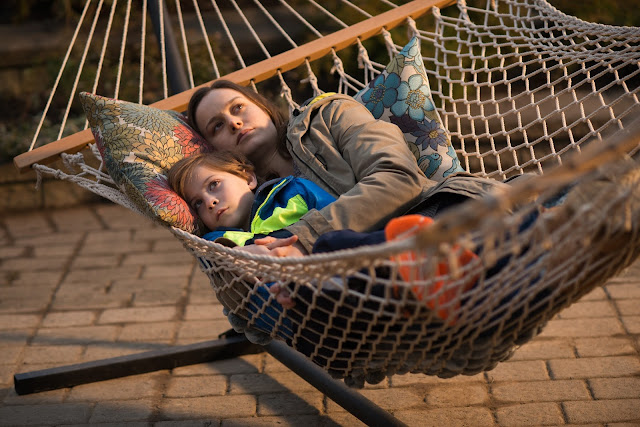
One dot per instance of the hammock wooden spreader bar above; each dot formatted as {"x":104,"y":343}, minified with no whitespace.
{"x":254,"y":73}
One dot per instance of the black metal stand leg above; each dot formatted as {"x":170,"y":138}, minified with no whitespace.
{"x":149,"y":361}
{"x":358,"y":405}
{"x":230,"y":346}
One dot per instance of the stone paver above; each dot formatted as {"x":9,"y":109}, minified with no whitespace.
{"x":97,"y":281}
{"x":51,"y":414}
{"x":214,"y":385}
{"x":618,"y":410}
{"x":298,"y":403}
{"x":125,"y":411}
{"x":615,"y":366}
{"x":465,"y":416}
{"x":530,"y":414}
{"x":540,"y":391}
{"x":209,"y":407}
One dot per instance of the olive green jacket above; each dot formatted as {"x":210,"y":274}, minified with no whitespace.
{"x":365,"y":163}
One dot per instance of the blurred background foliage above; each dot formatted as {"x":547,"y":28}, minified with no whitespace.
{"x":26,"y":74}
{"x":613,"y":12}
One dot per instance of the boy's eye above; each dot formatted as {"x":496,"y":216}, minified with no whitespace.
{"x":216,"y":126}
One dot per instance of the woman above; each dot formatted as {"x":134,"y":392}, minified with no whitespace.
{"x":335,"y":142}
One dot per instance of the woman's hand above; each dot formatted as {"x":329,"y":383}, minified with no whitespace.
{"x":286,"y":247}
{"x":254,"y":249}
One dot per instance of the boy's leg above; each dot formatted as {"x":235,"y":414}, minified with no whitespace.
{"x":442,"y":295}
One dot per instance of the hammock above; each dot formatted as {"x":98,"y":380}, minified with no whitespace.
{"x":520,"y":87}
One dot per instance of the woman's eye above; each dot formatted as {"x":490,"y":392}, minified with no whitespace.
{"x":213,"y":184}
{"x":196,"y":204}
{"x":238,"y":107}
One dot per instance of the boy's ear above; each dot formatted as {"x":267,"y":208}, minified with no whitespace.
{"x":252,"y":180}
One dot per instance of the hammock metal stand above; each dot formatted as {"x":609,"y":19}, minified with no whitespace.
{"x":230,"y":345}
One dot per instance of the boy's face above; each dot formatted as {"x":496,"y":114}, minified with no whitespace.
{"x":221,"y":199}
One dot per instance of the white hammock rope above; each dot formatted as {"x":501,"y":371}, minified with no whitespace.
{"x":359,"y":10}
{"x":123,"y":44}
{"x":105,"y":41}
{"x":301,"y":19}
{"x":275,"y":23}
{"x":80,"y":68}
{"x":203,"y":28}
{"x":143,"y":34}
{"x":229,"y":35}
{"x":163,"y":51}
{"x":521,"y":87}
{"x":328,"y":14}
{"x":59,"y":76}
{"x":255,"y":36}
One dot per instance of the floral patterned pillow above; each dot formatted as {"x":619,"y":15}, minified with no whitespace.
{"x":401,"y":95}
{"x":138,"y":145}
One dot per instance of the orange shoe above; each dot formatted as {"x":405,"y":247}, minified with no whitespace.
{"x":410,"y":271}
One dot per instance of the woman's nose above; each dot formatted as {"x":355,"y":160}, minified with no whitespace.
{"x":212,"y":202}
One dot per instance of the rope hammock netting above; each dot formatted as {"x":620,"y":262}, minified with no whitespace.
{"x":520,"y":87}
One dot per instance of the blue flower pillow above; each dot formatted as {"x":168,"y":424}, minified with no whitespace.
{"x":401,"y":95}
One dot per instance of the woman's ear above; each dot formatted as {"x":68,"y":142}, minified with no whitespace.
{"x":252,"y":180}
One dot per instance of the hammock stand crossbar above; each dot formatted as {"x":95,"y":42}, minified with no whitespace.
{"x":568,"y":68}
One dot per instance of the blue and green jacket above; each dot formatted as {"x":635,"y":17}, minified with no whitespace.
{"x":278,"y":204}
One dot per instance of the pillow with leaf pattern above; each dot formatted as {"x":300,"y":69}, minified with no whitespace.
{"x":401,"y":95}
{"x":138,"y":145}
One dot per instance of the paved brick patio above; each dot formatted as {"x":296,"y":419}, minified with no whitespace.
{"x":98,"y":281}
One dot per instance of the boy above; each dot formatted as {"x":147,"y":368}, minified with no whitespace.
{"x":220,"y":188}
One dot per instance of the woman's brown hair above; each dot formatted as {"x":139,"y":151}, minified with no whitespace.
{"x":223,"y":161}
{"x":276,"y":115}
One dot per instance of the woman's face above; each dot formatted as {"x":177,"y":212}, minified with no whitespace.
{"x":230,"y":121}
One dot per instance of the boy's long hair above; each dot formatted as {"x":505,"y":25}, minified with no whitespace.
{"x":277,"y":117}
{"x":223,"y":161}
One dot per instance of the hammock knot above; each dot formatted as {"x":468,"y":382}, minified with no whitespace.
{"x":388,"y":41}
{"x":285,"y":92}
{"x":38,"y":176}
{"x":338,"y":68}
{"x":412,"y":26}
{"x":71,"y":160}
{"x":312,"y":80}
{"x":363,"y":57}
{"x":464,"y":12}
{"x":337,"y":65}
